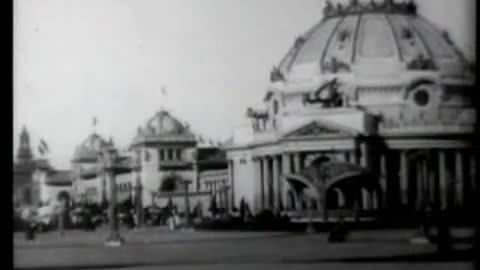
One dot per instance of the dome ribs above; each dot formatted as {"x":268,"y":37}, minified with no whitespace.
{"x":421,"y":59}
{"x":369,"y":39}
{"x":396,"y":38}
{"x":329,"y":41}
{"x":355,"y":39}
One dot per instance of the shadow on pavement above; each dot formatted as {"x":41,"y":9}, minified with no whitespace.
{"x":138,"y":242}
{"x":457,"y":256}
{"x":454,"y":256}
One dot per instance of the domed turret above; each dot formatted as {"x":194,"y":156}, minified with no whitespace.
{"x":89,"y":149}
{"x":163,"y":127}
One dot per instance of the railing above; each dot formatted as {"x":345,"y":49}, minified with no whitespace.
{"x":305,"y":216}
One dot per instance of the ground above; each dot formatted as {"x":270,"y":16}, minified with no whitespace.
{"x":161,"y":249}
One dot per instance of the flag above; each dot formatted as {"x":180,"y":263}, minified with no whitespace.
{"x":94,"y":121}
{"x":164,"y":91}
{"x":40,"y":150}
{"x":44,"y":145}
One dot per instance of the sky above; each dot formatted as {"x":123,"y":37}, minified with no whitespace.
{"x":79,"y":59}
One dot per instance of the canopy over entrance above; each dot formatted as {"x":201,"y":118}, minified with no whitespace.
{"x":331,"y":185}
{"x":328,"y":174}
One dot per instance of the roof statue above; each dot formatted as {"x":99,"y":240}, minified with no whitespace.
{"x":257,"y":114}
{"x":299,"y":41}
{"x":276,"y":75}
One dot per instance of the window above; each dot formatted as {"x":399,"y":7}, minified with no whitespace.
{"x":169,"y":154}
{"x":275,"y":107}
{"x":147,"y":156}
{"x":161,"y":154}
{"x":179,"y":154}
{"x":421,"y":98}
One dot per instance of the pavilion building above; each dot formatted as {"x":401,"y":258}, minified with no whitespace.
{"x":373,"y":85}
{"x":163,"y":150}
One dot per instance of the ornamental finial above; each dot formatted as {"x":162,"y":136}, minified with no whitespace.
{"x":328,"y":9}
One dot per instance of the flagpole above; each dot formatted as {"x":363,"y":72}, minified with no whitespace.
{"x":94,"y":124}
{"x":164,"y":99}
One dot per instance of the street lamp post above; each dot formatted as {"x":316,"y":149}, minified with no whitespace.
{"x":108,"y":158}
{"x":187,"y":205}
{"x":138,"y":191}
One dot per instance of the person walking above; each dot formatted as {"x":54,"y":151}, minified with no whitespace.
{"x":29,"y":217}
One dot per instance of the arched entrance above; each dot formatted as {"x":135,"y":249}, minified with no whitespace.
{"x":63,"y":197}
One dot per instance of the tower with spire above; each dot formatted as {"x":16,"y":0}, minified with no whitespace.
{"x":23,"y":169}
{"x":24,"y":153}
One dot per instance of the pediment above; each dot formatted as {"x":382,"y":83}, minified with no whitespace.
{"x":320,"y":129}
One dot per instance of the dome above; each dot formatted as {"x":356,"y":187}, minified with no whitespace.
{"x":163,"y":123}
{"x":88,"y":150}
{"x":364,"y":39}
{"x":164,"y":127}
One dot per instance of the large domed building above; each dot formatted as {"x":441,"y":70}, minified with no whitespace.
{"x":375,"y":85}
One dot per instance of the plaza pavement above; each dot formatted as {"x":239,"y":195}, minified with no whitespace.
{"x":157,"y":248}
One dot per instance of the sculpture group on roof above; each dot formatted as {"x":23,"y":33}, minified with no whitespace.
{"x":327,"y":94}
{"x":355,"y":7}
{"x":276,"y":75}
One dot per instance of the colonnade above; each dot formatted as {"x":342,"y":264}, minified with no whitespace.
{"x":409,"y":179}
{"x":219,"y":191}
{"x":443,"y":178}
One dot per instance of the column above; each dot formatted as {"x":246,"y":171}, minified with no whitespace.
{"x":442,"y":170}
{"x":195,"y":182}
{"x":275,"y":183}
{"x":459,"y":178}
{"x":365,"y":199}
{"x":403,"y":178}
{"x":419,"y":182}
{"x":266,"y":182}
{"x":227,"y":199}
{"x":232,"y":182}
{"x":433,"y":185}
{"x":473,"y":172}
{"x":187,"y":203}
{"x":364,"y":155}
{"x":296,"y":162}
{"x":425,"y":180}
{"x":383,"y":178}
{"x":348,"y":156}
{"x":356,"y":156}
{"x":285,"y":170}
{"x":259,"y":184}
{"x":376,"y":200}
